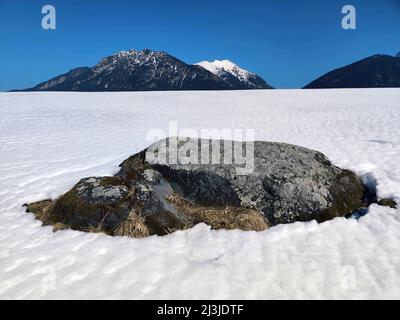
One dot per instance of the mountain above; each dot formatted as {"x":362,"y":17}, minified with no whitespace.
{"x":234,"y":75}
{"x":144,"y":70}
{"x":378,"y":71}
{"x":135,"y":71}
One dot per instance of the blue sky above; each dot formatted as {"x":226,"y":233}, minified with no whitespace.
{"x":287,"y":42}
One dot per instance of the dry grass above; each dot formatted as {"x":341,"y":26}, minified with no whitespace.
{"x":93,"y":229}
{"x":229,"y":218}
{"x":98,"y":228}
{"x":178,"y":201}
{"x":44,"y":216}
{"x":41,"y":210}
{"x":60,"y":226}
{"x":133,"y":226}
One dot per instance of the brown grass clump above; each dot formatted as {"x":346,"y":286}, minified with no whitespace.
{"x":93,"y":229}
{"x":178,"y":201}
{"x":60,"y":226}
{"x":41,"y":210}
{"x":97,"y":229}
{"x":133,"y":226}
{"x":229,"y":218}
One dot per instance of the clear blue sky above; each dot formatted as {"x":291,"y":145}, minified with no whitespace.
{"x":287,"y":42}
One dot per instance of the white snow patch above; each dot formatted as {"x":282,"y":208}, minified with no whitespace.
{"x":217,"y":67}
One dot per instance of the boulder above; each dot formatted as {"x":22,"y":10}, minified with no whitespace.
{"x":177,"y":183}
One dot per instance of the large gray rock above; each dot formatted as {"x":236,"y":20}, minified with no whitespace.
{"x":286,"y":183}
{"x":177,"y":183}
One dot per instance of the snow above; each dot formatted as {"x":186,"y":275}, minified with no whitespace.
{"x":217,"y":67}
{"x":49,"y":141}
{"x":210,"y":67}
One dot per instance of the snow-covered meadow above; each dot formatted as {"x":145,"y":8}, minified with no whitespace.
{"x":48,"y":141}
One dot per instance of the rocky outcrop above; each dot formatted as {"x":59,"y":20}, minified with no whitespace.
{"x":175,"y":184}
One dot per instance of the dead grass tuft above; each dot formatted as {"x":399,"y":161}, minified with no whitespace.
{"x":60,"y":226}
{"x":41,"y":210}
{"x":229,"y":218}
{"x":133,"y":226}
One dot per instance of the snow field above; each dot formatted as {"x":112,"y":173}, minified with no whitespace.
{"x":49,"y":141}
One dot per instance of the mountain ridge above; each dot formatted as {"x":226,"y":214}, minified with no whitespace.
{"x":144,"y":70}
{"x":148,"y":70}
{"x":377,"y":71}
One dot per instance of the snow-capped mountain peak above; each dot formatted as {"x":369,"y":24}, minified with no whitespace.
{"x":231,"y":72}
